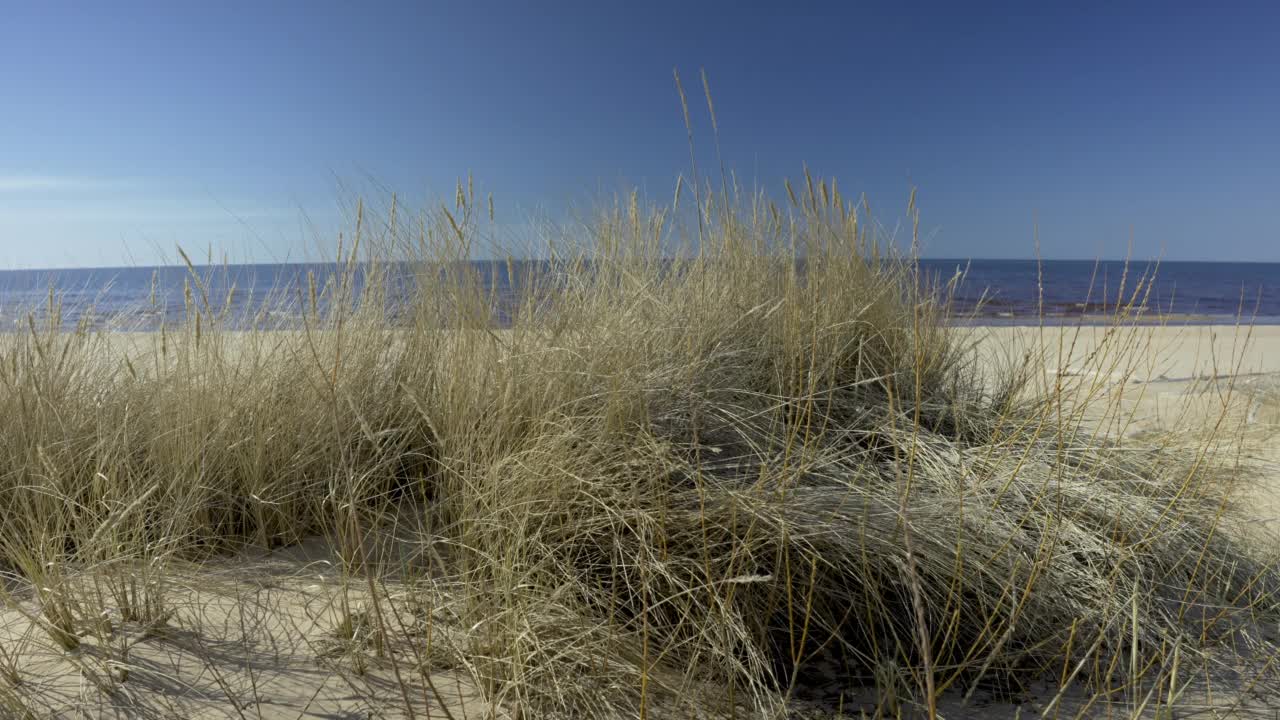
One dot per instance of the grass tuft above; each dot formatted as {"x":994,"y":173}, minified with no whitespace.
{"x":722,"y":473}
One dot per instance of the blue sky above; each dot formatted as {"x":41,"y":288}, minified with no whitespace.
{"x":128,"y":128}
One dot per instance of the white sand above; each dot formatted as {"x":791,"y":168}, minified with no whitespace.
{"x":1170,"y":353}
{"x":1164,"y":377}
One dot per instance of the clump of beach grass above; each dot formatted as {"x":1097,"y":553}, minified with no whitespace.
{"x":690,"y":479}
{"x":663,"y":472}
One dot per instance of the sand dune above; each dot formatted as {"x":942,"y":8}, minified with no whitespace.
{"x":260,"y":636}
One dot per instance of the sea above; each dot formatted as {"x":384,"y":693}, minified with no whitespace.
{"x":1003,"y":292}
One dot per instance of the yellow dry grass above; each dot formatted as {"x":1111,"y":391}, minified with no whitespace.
{"x":754,"y":474}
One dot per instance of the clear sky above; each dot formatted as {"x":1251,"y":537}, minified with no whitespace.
{"x":127,"y":128}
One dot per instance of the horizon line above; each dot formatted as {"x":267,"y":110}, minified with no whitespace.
{"x":1131,"y":261}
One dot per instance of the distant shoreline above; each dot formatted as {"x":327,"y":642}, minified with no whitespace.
{"x":1099,"y":320}
{"x":992,"y":292}
{"x":17,"y":323}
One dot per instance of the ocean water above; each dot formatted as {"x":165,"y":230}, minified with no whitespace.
{"x":989,"y":291}
{"x":1068,"y":291}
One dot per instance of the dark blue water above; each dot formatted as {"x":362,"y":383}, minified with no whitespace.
{"x":1021,"y":291}
{"x":990,"y":291}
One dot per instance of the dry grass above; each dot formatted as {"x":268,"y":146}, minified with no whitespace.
{"x":689,"y":479}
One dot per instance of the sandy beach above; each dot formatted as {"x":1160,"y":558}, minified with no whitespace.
{"x":257,"y":631}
